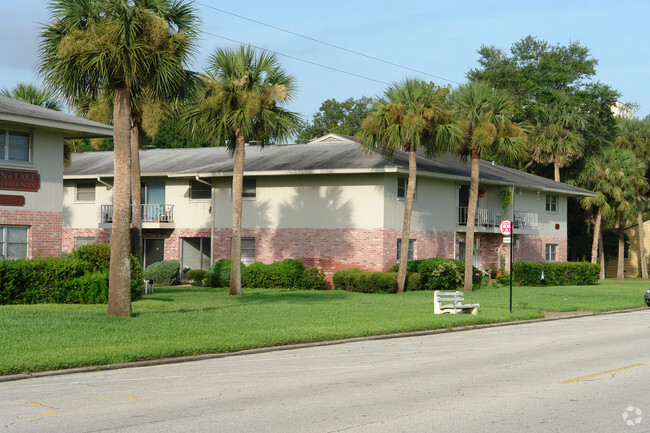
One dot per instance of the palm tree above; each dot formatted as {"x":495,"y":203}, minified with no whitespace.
{"x":615,"y":174}
{"x":557,"y":139}
{"x":241,"y":100}
{"x":410,"y":115}
{"x":32,"y":94}
{"x":634,"y":135}
{"x":485,"y":115}
{"x":117,"y":48}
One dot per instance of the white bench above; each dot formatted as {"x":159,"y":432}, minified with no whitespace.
{"x":452,"y":303}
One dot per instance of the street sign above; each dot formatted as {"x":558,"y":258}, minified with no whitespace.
{"x":505,"y":227}
{"x":506,"y":239}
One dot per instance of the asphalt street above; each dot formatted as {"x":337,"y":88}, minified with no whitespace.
{"x":587,"y":374}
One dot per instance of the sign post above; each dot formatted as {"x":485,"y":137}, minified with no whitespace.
{"x":506,"y":231}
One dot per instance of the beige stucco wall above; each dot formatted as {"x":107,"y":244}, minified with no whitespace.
{"x":434,"y":207}
{"x":47,"y":160}
{"x":84,"y":215}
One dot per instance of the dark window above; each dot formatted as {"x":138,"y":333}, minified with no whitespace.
{"x":200,"y":191}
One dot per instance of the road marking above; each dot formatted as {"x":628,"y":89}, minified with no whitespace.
{"x":54,"y":411}
{"x":577,"y":379}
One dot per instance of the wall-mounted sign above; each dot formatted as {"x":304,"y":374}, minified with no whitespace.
{"x":19,"y":180}
{"x":12,"y":200}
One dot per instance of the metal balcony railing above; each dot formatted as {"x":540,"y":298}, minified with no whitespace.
{"x":487,"y":217}
{"x":151,"y":213}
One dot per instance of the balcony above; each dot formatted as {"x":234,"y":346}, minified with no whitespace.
{"x":153,"y":215}
{"x":487,"y":220}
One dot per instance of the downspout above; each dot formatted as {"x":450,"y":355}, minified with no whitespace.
{"x":212,"y":212}
{"x":106,"y":184}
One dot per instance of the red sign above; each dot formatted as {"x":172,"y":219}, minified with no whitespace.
{"x":12,"y":200}
{"x":505,"y":227}
{"x":20,"y":180}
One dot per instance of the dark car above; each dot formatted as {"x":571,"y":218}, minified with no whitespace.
{"x":647,"y":297}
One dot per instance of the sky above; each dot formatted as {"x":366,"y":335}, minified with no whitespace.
{"x":438,"y":38}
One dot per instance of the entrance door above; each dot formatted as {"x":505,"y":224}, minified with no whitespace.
{"x":463,"y":201}
{"x":154,"y":250}
{"x":477,"y":251}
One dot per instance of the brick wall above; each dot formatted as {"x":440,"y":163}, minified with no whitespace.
{"x":45,"y":237}
{"x":101,"y":236}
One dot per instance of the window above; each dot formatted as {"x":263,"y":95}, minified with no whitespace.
{"x":200,"y":191}
{"x":14,"y":146}
{"x":13,"y":242}
{"x":411,"y":247}
{"x":249,"y":188}
{"x":551,"y":203}
{"x":80,"y":242}
{"x":85,"y":192}
{"x":551,"y":252}
{"x":248,"y":250}
{"x":402,"y":183}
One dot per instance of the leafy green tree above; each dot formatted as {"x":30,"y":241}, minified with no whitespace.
{"x":615,"y":174}
{"x":485,"y":114}
{"x":412,"y":114}
{"x":557,"y":139}
{"x":241,"y":100}
{"x":534,"y":72}
{"x":634,"y":135}
{"x":32,"y":94}
{"x":117,"y":48}
{"x":336,"y":117}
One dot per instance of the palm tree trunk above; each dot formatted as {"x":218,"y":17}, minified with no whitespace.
{"x":471,"y":215}
{"x":601,"y":256}
{"x":136,"y":205}
{"x":406,"y":226}
{"x":620,"y":271}
{"x":556,"y":171}
{"x":119,"y":290}
{"x":639,"y":217}
{"x":594,"y":244}
{"x":235,"y":242}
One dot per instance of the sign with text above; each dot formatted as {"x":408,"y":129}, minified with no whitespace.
{"x":12,"y":200}
{"x":505,"y":227}
{"x":19,"y":180}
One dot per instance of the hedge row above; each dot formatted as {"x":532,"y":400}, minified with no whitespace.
{"x":165,"y":272}
{"x":555,"y":274}
{"x":82,"y":278}
{"x":288,"y":273}
{"x":355,"y":280}
{"x":441,"y":274}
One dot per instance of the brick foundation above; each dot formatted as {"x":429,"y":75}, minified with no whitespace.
{"x":44,"y":232}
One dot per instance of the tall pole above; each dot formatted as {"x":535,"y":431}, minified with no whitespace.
{"x":512,"y":239}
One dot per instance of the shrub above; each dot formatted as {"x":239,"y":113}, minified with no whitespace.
{"x":344,"y":280}
{"x":527,"y":273}
{"x":165,"y":272}
{"x":413,"y":281}
{"x":312,"y":279}
{"x":92,"y":288}
{"x":441,"y":273}
{"x":97,"y":258}
{"x":196,"y":276}
{"x":219,"y":273}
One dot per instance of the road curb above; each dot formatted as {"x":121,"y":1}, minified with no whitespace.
{"x":190,"y":358}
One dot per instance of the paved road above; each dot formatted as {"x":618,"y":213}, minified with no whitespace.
{"x":577,"y":375}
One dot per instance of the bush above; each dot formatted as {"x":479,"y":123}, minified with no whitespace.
{"x":219,"y":273}
{"x":312,"y":279}
{"x":344,"y":280}
{"x":92,"y":288}
{"x":354,"y":280}
{"x":196,"y":276}
{"x":97,"y":258}
{"x":165,"y":272}
{"x":441,"y":273}
{"x":413,"y":281}
{"x":527,"y":273}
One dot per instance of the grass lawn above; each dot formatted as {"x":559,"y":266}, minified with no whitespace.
{"x":178,"y":321}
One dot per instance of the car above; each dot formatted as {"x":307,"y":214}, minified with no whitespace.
{"x":647,"y":297}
